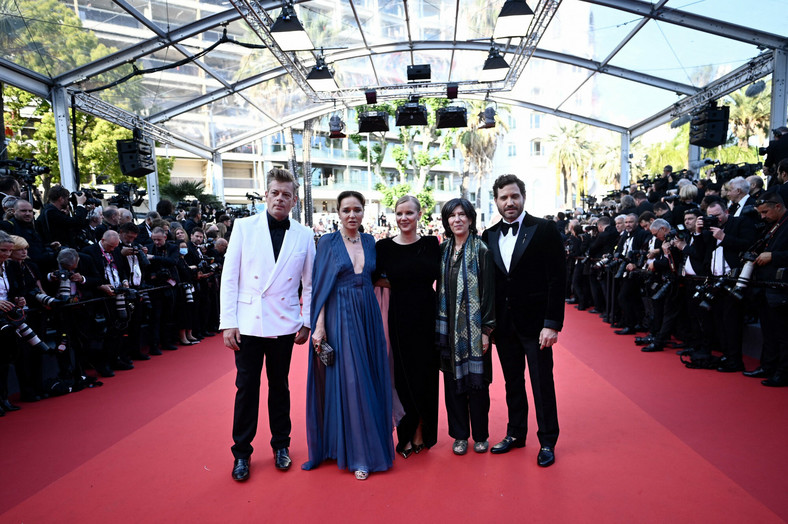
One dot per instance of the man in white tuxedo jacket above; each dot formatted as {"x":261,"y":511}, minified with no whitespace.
{"x":261,"y":316}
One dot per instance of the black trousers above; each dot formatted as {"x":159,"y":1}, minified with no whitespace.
{"x":249,"y":365}
{"x":467,"y":411}
{"x":160,"y":324}
{"x":774,"y":358}
{"x":729,"y":323}
{"x":514,"y":351}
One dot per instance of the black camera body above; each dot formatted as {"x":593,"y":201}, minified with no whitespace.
{"x":710,"y":221}
{"x":680,"y":232}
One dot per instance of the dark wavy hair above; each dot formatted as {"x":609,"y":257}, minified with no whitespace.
{"x":345,"y":194}
{"x":448,"y":209}
{"x":505,"y":180}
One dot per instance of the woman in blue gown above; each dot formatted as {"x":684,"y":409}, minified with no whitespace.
{"x":349,"y":413}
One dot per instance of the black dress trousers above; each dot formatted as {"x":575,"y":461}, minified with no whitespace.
{"x":249,"y":364}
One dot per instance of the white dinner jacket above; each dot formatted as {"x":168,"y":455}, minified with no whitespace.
{"x":260,"y":296}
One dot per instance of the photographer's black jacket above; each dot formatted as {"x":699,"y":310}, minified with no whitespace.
{"x":740,"y":234}
{"x":604,"y":243}
{"x":56,"y":226}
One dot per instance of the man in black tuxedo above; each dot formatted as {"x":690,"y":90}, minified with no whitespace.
{"x":529,"y":311}
{"x":722,"y":245}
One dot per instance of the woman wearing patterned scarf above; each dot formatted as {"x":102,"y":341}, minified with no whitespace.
{"x":466,"y":317}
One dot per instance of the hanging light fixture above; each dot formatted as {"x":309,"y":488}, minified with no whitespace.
{"x":487,"y":118}
{"x":320,"y":77}
{"x":335,"y":127}
{"x":495,"y":67}
{"x":288,"y":31}
{"x":513,"y":20}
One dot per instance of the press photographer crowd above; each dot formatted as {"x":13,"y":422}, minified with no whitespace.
{"x":686,"y":265}
{"x":85,"y":287}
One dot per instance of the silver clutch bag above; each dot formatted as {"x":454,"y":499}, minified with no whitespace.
{"x":327,"y":354}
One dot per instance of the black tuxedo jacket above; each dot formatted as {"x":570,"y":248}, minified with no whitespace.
{"x":604,"y":243}
{"x":740,"y":234}
{"x":93,"y":252}
{"x":530,"y":296}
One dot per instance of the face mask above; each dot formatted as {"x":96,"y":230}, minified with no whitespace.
{"x":183,"y":250}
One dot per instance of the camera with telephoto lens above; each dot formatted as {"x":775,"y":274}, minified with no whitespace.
{"x":744,"y":276}
{"x":124,"y":297}
{"x":660,"y":288}
{"x":710,"y":221}
{"x":63,"y":277}
{"x":24,"y":171}
{"x":188,"y":292}
{"x":15,"y":320}
{"x":94,"y":197}
{"x":706,"y":293}
{"x":208,"y":266}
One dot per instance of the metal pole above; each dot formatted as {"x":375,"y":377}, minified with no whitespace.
{"x":65,"y":159}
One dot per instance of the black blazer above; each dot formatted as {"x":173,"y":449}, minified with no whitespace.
{"x":740,"y":234}
{"x":530,"y":296}
{"x":93,"y":252}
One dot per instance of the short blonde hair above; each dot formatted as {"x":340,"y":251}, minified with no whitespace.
{"x":19,"y":243}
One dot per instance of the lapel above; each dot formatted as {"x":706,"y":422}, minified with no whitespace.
{"x":524,"y":236}
{"x":493,"y":235}
{"x":288,"y":244}
{"x":263,"y":251}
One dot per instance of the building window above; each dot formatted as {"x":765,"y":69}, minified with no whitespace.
{"x":536,"y":120}
{"x":536,"y":148}
{"x":511,"y":150}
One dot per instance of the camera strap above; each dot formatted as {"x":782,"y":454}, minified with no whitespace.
{"x":770,"y":234}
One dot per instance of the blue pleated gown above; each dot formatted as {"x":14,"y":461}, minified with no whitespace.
{"x":348,"y":404}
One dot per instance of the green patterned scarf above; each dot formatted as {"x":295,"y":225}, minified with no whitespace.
{"x":466,"y":352}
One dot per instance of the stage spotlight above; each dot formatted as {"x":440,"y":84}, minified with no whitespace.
{"x":412,"y":113}
{"x":372,"y":96}
{"x":288,"y":31}
{"x":373,"y":121}
{"x":451,"y":116}
{"x":419,"y":72}
{"x":452,"y":90}
{"x":513,"y":20}
{"x":755,"y":89}
{"x":320,"y":77}
{"x":495,"y":67}
{"x":335,"y":127}
{"x":487,"y":118}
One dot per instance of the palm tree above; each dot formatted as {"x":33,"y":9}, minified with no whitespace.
{"x":750,"y":115}
{"x":572,"y":156}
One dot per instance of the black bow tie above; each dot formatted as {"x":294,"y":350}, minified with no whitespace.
{"x":279,"y":224}
{"x":514,"y":226}
{"x":734,"y":207}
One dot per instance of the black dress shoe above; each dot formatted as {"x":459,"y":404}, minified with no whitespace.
{"x":120,"y":365}
{"x":169,"y":347}
{"x":729,"y":366}
{"x":507,"y":444}
{"x":105,"y":371}
{"x":644,"y":341}
{"x":546,"y":457}
{"x":30,"y":398}
{"x":241,"y":469}
{"x":651,"y":348}
{"x":594,"y":310}
{"x":685,"y":351}
{"x":7,"y":406}
{"x":139,"y":356}
{"x":282,"y":459}
{"x":625,"y":331}
{"x":776,"y":381}
{"x":758,"y":372}
{"x":404,"y":452}
{"x":154,"y":351}
{"x":570,"y":301}
{"x":209,"y":334}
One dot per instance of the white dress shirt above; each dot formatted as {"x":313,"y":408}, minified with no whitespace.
{"x":507,"y":242}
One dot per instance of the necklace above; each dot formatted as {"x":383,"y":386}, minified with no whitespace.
{"x":457,"y":252}
{"x":352,"y":240}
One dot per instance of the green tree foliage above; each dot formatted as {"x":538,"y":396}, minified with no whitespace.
{"x":571,"y":154}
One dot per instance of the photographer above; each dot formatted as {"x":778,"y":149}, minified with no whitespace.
{"x":8,"y":342}
{"x":133,"y":262}
{"x":55,"y":224}
{"x":772,"y":301}
{"x":205,"y":285}
{"x":146,"y":228}
{"x":163,"y":258}
{"x":602,"y":244}
{"x":194,"y":219}
{"x":114,"y":281}
{"x":79,"y":334}
{"x":629,"y":302}
{"x":664,"y":293}
{"x":693,"y":265}
{"x":722,"y":238}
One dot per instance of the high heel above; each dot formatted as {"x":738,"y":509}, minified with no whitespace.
{"x":418,"y":448}
{"x":186,"y":343}
{"x":362,"y":474}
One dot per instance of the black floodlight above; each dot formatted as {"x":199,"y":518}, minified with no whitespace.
{"x":411,"y":114}
{"x":320,"y":77}
{"x":452,"y":90}
{"x":335,"y":127}
{"x":373,"y":121}
{"x":513,"y":20}
{"x":451,"y":116}
{"x":487,"y":118}
{"x":419,"y":72}
{"x":372,"y":96}
{"x":495,"y":67}
{"x":289,"y":33}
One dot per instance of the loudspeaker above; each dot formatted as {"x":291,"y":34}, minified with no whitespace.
{"x":136,"y":158}
{"x":709,"y":128}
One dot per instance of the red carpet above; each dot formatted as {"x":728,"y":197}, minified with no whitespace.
{"x":642,"y":440}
